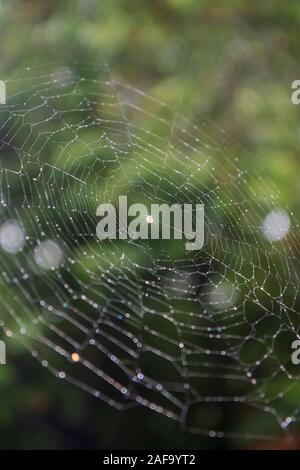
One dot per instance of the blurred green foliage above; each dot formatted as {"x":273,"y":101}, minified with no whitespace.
{"x":233,"y":63}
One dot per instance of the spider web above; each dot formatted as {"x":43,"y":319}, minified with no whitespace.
{"x":201,"y":337}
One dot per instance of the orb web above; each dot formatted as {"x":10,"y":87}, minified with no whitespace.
{"x":201,"y":337}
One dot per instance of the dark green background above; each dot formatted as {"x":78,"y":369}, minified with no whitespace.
{"x":232,"y":61}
